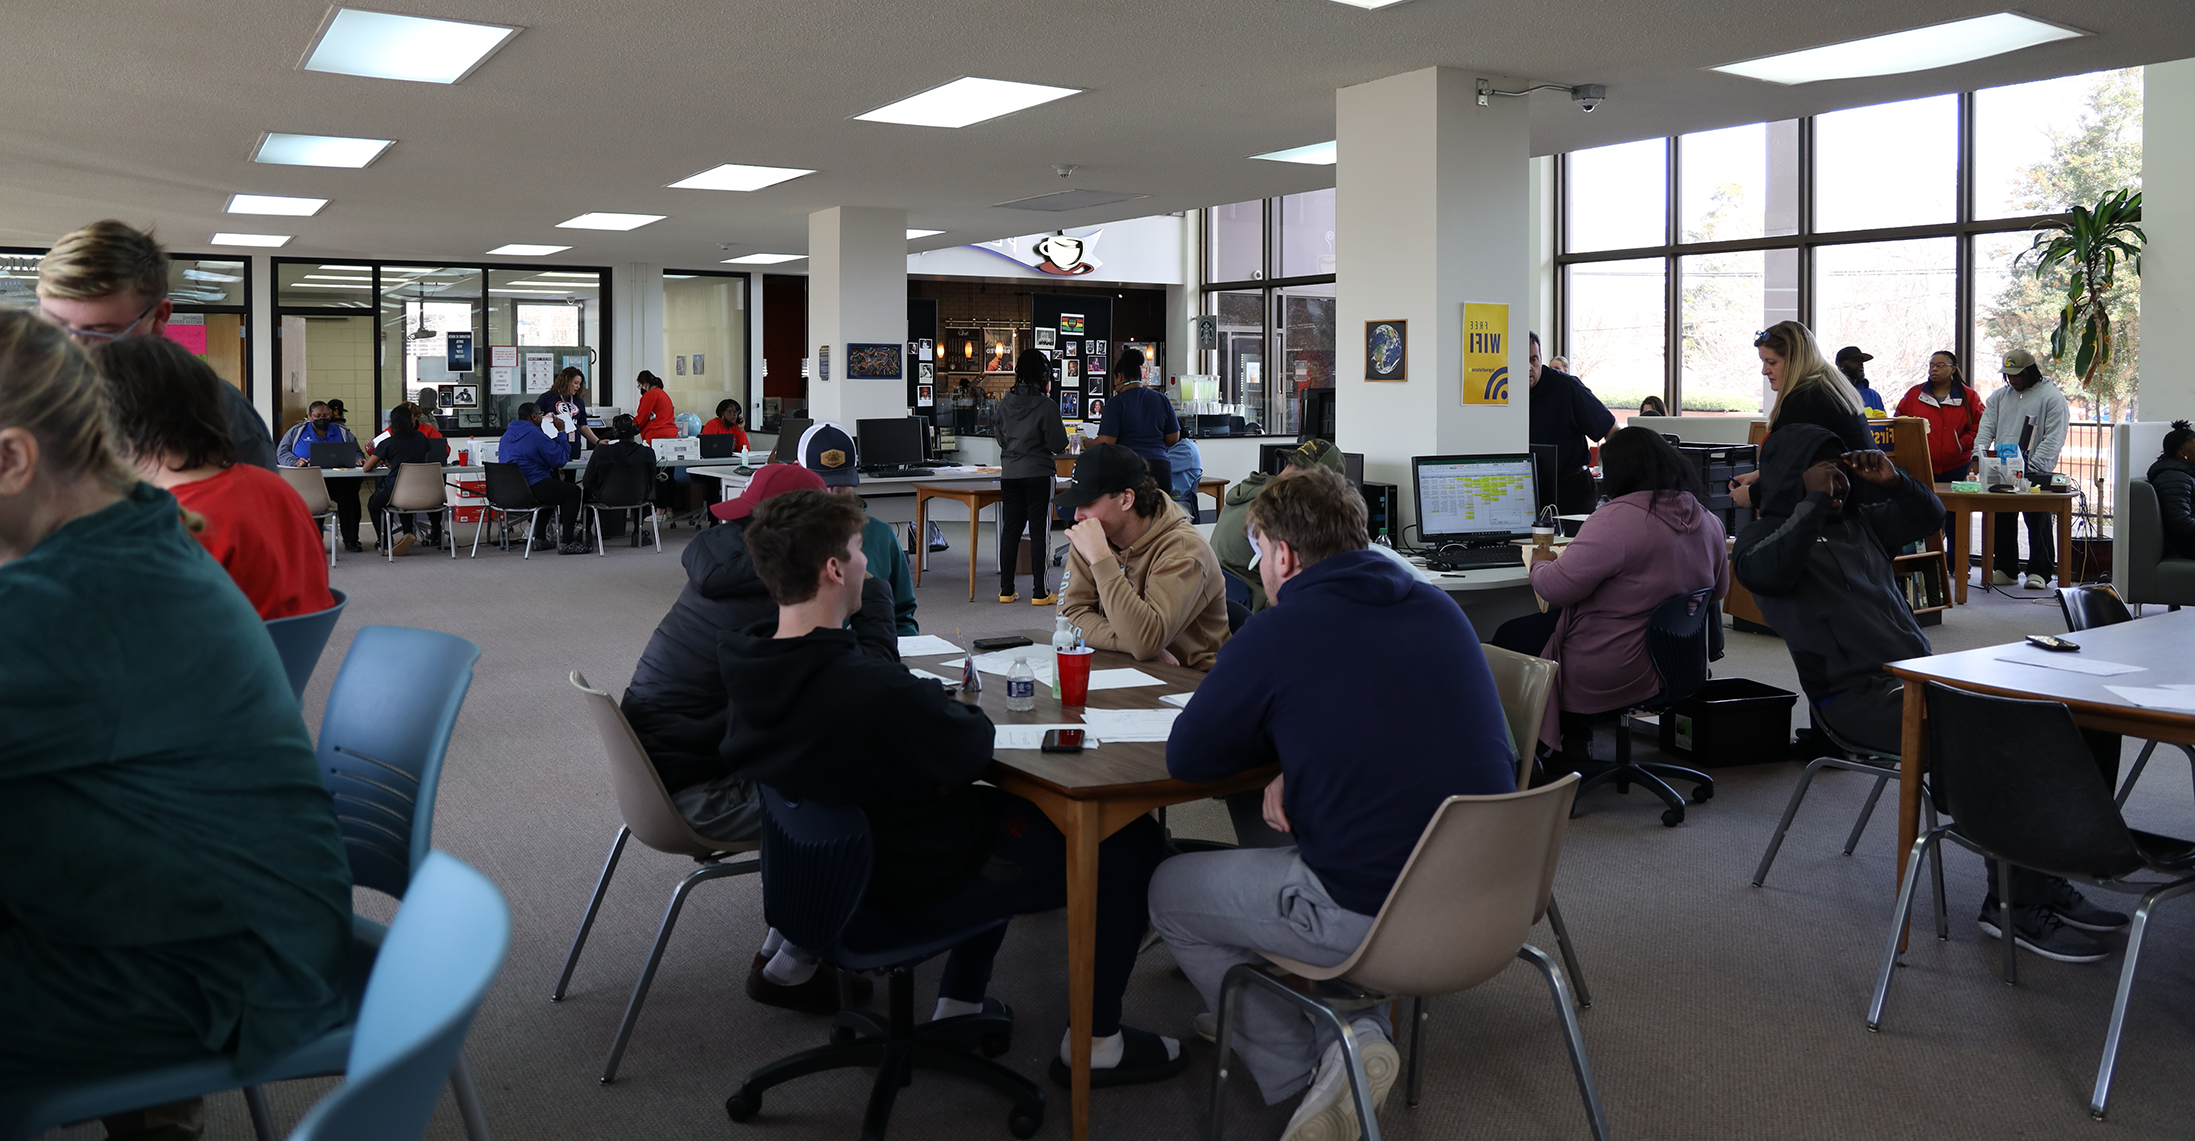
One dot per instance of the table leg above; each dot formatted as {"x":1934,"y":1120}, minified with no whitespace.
{"x":975,"y":513}
{"x":922,"y":534}
{"x":1989,"y":547}
{"x":1081,"y":829}
{"x":2065,"y":543}
{"x":1912,"y":758}
{"x":1956,"y":541}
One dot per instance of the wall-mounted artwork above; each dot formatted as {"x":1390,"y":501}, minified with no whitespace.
{"x":998,"y":347}
{"x":678,"y":364}
{"x":1096,"y":410}
{"x":1074,"y":372}
{"x":1070,"y":324}
{"x":1071,"y":348}
{"x":963,"y":350}
{"x":1045,"y":338}
{"x":1070,"y":405}
{"x":1386,"y":350}
{"x":873,"y":361}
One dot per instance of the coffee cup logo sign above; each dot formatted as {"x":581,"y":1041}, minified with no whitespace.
{"x":1063,"y":256}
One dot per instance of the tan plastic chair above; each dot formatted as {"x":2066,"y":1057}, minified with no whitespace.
{"x":419,"y":491}
{"x":1526,"y":684}
{"x":1457,"y":916}
{"x":311,"y":485}
{"x":649,"y":814}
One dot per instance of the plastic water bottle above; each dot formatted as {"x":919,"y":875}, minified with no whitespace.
{"x":1021,"y":687}
{"x":1063,"y":639}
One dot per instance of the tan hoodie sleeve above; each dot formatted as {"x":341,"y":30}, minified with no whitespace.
{"x":1142,"y":624}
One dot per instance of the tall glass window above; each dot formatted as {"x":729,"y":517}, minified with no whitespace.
{"x":705,"y":340}
{"x":1619,"y":196}
{"x":1307,"y":234}
{"x":1895,"y":300}
{"x":1725,"y":302}
{"x":1271,"y":286}
{"x":1894,"y":164}
{"x":1738,"y":183}
{"x":1616,"y":329}
{"x":1234,"y":238}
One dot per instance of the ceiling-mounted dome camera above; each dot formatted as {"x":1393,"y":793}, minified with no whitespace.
{"x":1588,"y":96}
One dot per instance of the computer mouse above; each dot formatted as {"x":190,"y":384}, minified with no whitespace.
{"x":743,"y":469}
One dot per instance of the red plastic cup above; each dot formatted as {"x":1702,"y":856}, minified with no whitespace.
{"x":1074,"y":675}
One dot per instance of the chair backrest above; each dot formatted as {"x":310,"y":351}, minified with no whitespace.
{"x":311,"y":485}
{"x":299,"y":638}
{"x":418,"y":487}
{"x":626,"y":485}
{"x":816,"y":861}
{"x":1468,"y":895}
{"x":382,"y":739}
{"x":434,"y":967}
{"x":641,"y":798}
{"x":2020,"y":780}
{"x":2087,"y":607}
{"x":2144,"y":534}
{"x":1237,"y":614}
{"x":507,"y":487}
{"x":1524,"y":683}
{"x":1678,"y":644}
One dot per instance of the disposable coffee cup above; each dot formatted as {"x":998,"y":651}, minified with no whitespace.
{"x":1074,"y":676}
{"x":1543,"y":537}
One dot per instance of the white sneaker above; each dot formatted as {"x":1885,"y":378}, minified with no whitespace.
{"x":1328,"y":1112}
{"x":1207,"y":1027}
{"x":2036,"y":582}
{"x":1999,"y":578}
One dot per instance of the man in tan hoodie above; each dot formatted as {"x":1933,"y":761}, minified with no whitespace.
{"x":1140,"y":579}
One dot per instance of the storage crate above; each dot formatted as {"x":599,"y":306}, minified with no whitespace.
{"x":1730,"y":721}
{"x":468,"y":498}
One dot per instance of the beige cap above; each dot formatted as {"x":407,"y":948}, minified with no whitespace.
{"x":2018,"y":360}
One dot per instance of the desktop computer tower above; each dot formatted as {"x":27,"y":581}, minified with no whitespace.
{"x":1383,"y":511}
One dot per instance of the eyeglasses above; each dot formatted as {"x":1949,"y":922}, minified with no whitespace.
{"x":101,"y":336}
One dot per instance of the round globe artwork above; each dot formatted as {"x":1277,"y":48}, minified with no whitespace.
{"x":1386,"y":348}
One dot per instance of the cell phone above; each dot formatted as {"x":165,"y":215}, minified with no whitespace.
{"x":1062,"y":741}
{"x":1006,"y":643}
{"x":2051,"y":643}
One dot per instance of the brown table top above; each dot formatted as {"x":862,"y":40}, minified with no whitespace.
{"x":958,"y":490}
{"x":2048,"y":499}
{"x":2158,"y":644}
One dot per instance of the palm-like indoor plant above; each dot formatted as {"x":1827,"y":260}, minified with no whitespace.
{"x":2087,"y":246}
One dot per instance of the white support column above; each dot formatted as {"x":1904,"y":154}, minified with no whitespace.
{"x":857,"y":293}
{"x":636,"y":333}
{"x":1431,"y":210}
{"x":2168,"y":262}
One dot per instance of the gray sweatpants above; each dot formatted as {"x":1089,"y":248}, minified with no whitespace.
{"x":1217,"y":909}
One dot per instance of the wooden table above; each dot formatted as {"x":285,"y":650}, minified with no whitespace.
{"x":2158,"y":644}
{"x":1217,"y":489}
{"x":977,"y":496}
{"x":1992,"y":504}
{"x":1090,"y":796}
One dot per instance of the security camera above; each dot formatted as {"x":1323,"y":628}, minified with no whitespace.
{"x":724,"y":246}
{"x":1064,"y":169}
{"x":1588,"y":96}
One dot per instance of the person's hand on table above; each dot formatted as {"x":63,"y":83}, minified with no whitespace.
{"x":1168,"y":657}
{"x":1275,"y":816}
{"x":1088,"y":540}
{"x":1741,"y":488}
{"x":1871,"y":465}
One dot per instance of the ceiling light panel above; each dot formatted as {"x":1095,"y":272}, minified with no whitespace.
{"x":382,"y":45}
{"x":275,"y":204}
{"x":733,"y":176}
{"x":267,"y":240}
{"x":1369,"y":3}
{"x":763,"y":259}
{"x":966,"y":101}
{"x":601,"y":220}
{"x":319,"y":150}
{"x":913,"y":234}
{"x":522,"y":250}
{"x":1917,"y":49}
{"x":1317,"y":154}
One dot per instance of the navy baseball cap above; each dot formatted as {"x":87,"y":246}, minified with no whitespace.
{"x":827,"y":450}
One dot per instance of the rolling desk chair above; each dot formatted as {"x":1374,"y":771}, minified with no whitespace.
{"x":1682,"y":636}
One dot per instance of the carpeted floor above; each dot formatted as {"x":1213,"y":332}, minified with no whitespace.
{"x":1720,"y":1010}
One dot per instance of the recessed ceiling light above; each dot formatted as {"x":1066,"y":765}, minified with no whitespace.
{"x":966,"y":100}
{"x":599,"y":220}
{"x":1369,"y":3}
{"x":383,"y":45}
{"x":913,"y":234}
{"x":1916,"y":49}
{"x":1317,"y":154}
{"x":226,"y":239}
{"x":333,"y":277}
{"x":275,"y":204}
{"x":522,"y":250}
{"x":568,"y":273}
{"x":359,"y":268}
{"x":733,"y":176}
{"x":763,"y":259}
{"x":319,"y":150}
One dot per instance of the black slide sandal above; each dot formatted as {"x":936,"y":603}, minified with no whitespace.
{"x":1142,"y":1059}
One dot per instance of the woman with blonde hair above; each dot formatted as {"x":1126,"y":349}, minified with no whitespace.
{"x":172,"y":882}
{"x":1808,"y":389}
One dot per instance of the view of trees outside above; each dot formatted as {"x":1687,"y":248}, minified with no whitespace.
{"x":1616,"y":329}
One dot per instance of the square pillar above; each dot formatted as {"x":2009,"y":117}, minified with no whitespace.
{"x":2168,"y":261}
{"x":857,"y":293}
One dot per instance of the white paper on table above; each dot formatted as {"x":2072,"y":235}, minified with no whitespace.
{"x":920,"y":645}
{"x":1000,"y":662}
{"x":1032,"y":736}
{"x":1177,"y":700}
{"x":2071,"y":663}
{"x":1121,"y":679}
{"x":950,"y":681}
{"x":2178,"y":697}
{"x":1120,"y":725}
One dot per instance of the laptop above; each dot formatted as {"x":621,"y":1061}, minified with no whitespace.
{"x":336,"y":453}
{"x":722,"y":445}
{"x":789,"y":433}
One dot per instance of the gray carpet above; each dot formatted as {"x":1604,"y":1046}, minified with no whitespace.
{"x":1720,"y":1010}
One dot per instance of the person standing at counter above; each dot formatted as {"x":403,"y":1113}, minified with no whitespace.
{"x":1953,"y":411}
{"x":1030,"y":433}
{"x":1139,"y":418}
{"x":1565,"y":415}
{"x":2031,"y":412}
{"x":564,"y":410}
{"x":655,"y":417}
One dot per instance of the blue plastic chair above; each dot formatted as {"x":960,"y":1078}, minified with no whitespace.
{"x":816,"y":860}
{"x":299,"y":638}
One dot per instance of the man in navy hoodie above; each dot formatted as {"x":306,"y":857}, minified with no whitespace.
{"x":1401,"y":714}
{"x":540,"y":458}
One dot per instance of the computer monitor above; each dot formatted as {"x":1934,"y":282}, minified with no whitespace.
{"x":1474,"y":498}
{"x":889,"y":443}
{"x":789,"y":432}
{"x":1352,"y":465}
{"x":1546,"y":463}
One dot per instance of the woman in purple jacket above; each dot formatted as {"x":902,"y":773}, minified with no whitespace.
{"x":1651,"y":540}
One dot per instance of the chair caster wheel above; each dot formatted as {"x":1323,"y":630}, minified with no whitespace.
{"x":743,"y":1105}
{"x":1701,"y":794}
{"x":995,"y":1045}
{"x":1025,"y":1120}
{"x":843,"y":1035}
{"x":1672,"y":817}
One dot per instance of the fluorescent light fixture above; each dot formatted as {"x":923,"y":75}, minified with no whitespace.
{"x":522,"y":250}
{"x":599,"y":220}
{"x":1917,"y":49}
{"x":383,"y":45}
{"x":275,"y":204}
{"x":913,"y":234}
{"x":195,"y":274}
{"x":568,"y":273}
{"x":733,"y":176}
{"x":1316,"y":154}
{"x":501,"y":292}
{"x":319,"y":150}
{"x":323,"y":285}
{"x":763,"y":259}
{"x":1369,"y":3}
{"x":354,"y":268}
{"x":966,"y":100}
{"x":270,"y":240}
{"x":333,"y":277}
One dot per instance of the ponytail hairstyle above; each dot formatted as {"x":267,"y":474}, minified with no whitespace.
{"x":1958,"y":374}
{"x":50,"y":389}
{"x":2176,"y":439}
{"x":1805,"y":368}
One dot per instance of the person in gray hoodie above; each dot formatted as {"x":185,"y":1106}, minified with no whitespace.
{"x":1030,"y":433}
{"x":2173,"y":475}
{"x":1231,"y":533}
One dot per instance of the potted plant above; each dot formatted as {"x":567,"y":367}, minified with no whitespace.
{"x":2088,"y":245}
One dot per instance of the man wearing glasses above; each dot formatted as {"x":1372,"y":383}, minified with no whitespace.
{"x":108,"y":281}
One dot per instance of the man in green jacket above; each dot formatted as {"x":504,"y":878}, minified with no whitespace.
{"x":1231,"y":535}
{"x":827,"y":450}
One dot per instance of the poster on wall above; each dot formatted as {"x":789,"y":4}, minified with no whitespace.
{"x":1485,"y":353}
{"x":999,"y":350}
{"x":458,"y":351}
{"x":823,"y":362}
{"x":678,"y":365}
{"x":873,"y":361}
{"x":697,"y":364}
{"x":1045,"y":338}
{"x":540,"y":367}
{"x":1070,"y":405}
{"x":924,"y":397}
{"x":1096,"y":410}
{"x":1071,"y":348}
{"x":1386,"y":350}
{"x":963,"y":351}
{"x":1074,"y":372}
{"x":1070,"y":324}
{"x":1094,"y":364}
{"x":925,"y":350}
{"x":925,"y":373}
{"x":503,"y":356}
{"x":503,"y":381}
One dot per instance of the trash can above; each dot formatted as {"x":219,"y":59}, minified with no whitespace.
{"x":1730,"y":721}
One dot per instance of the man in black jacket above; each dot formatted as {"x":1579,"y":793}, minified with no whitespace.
{"x":948,"y":853}
{"x":1565,"y":413}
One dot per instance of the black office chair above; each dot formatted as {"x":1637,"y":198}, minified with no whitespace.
{"x":508,"y":494}
{"x":1856,"y":758}
{"x":629,"y":490}
{"x":816,"y":861}
{"x":2085,"y":608}
{"x":1683,"y":634}
{"x":2022,"y":788}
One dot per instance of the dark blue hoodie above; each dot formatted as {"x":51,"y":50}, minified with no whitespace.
{"x":1370,"y":689}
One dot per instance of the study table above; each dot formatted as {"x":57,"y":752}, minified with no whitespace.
{"x":1992,"y":504}
{"x":1090,"y":796}
{"x":2157,"y":645}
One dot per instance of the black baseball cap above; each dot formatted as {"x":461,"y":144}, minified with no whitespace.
{"x":1101,"y":470}
{"x":1852,"y":352}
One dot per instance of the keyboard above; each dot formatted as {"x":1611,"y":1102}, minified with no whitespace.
{"x":893,"y":472}
{"x":1477,"y":558}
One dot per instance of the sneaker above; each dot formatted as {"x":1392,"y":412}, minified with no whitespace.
{"x":574,"y":547}
{"x":2040,"y":930}
{"x":1009,"y":597}
{"x":819,"y":995}
{"x":1999,"y":578}
{"x":1045,"y":599}
{"x":404,"y":544}
{"x":1206,"y":1026}
{"x":353,"y":546}
{"x":2037,"y":582}
{"x":2068,"y":904}
{"x":1328,"y":1112}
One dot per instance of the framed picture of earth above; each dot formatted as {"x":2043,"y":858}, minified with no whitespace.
{"x":1386,"y":350}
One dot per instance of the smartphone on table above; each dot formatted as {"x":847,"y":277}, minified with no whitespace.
{"x":1062,"y":741}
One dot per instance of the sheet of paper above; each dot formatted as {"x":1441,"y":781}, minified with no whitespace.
{"x":1031,"y":736}
{"x":922,"y":645}
{"x":502,"y":381}
{"x":1177,"y":700}
{"x":2070,"y":663}
{"x":1121,"y":679}
{"x":2178,"y":697}
{"x":953,"y":681}
{"x":1119,"y":725}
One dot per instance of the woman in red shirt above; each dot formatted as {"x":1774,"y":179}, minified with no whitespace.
{"x":654,"y":418}
{"x":728,"y":419}
{"x":1953,"y":411}
{"x":171,"y":427}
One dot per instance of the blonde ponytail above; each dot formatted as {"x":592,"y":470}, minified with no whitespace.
{"x":49,"y":389}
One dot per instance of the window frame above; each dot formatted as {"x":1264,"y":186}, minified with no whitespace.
{"x":1266,"y":284}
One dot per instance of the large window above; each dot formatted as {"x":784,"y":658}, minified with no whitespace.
{"x":1269,"y":267}
{"x":210,"y":297}
{"x":1676,"y":252}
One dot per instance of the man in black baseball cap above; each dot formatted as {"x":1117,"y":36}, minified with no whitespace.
{"x":1853,"y":364}
{"x":1140,"y":580}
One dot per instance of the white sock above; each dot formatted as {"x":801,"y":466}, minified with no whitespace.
{"x":1105,"y":1053}
{"x":772,"y":941}
{"x":789,"y":967}
{"x":954,"y":1008}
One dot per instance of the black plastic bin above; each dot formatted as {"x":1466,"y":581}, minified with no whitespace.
{"x":1730,"y":721}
